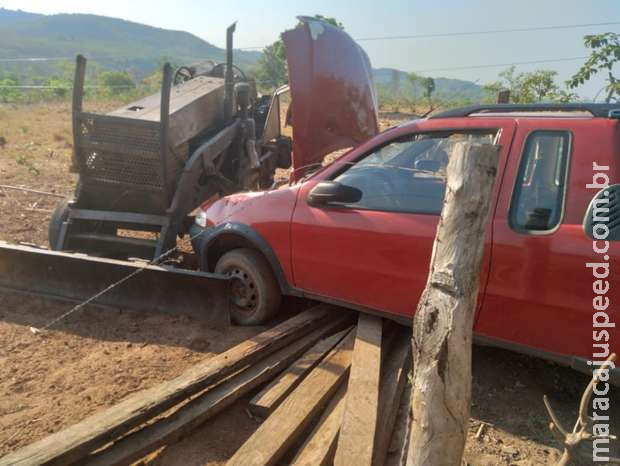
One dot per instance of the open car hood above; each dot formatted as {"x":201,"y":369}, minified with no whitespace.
{"x":333,"y":99}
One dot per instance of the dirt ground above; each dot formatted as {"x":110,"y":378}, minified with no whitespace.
{"x":95,"y":358}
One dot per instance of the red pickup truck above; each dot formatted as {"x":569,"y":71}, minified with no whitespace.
{"x":359,"y":232}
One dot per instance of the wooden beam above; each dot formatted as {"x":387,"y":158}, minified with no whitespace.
{"x":271,"y":396}
{"x":357,"y":434}
{"x":394,"y":371}
{"x":172,"y":428}
{"x":275,"y":436}
{"x":75,"y":442}
{"x":320,"y":446}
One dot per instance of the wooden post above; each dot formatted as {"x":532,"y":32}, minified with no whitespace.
{"x":503,"y":96}
{"x":442,"y":326}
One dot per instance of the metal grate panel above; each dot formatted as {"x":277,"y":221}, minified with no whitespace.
{"x":115,"y":151}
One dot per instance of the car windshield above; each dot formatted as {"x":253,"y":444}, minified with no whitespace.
{"x":407,"y":175}
{"x":423,"y":155}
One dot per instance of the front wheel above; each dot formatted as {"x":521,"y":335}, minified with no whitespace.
{"x":255,"y":294}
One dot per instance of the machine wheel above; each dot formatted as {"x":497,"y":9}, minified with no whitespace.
{"x":60,"y":214}
{"x":255,"y":294}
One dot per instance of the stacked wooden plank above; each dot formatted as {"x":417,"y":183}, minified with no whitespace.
{"x":160,"y":415}
{"x":337,"y":404}
{"x":331,"y":390}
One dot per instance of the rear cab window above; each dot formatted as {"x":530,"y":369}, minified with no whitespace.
{"x":538,"y":198}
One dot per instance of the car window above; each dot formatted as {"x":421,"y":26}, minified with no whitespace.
{"x":407,"y":175}
{"x":539,"y":191}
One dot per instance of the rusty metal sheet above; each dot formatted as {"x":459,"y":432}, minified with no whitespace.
{"x":334,"y":104}
{"x":195,"y":106}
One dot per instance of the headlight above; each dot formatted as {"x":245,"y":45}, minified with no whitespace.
{"x":201,"y":218}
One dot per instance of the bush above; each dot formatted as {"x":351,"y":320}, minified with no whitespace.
{"x":60,"y":87}
{"x":6,"y":93}
{"x":116,"y":82}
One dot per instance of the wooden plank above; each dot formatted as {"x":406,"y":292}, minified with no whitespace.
{"x":77,"y":441}
{"x":271,"y":396}
{"x":397,"y":450}
{"x":170,"y":429}
{"x":357,"y":434}
{"x":275,"y":436}
{"x":394,"y":372}
{"x":320,"y":446}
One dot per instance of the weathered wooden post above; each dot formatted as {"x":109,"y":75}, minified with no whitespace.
{"x":442,"y":326}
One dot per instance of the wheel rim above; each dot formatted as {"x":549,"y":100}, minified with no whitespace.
{"x":244,"y":293}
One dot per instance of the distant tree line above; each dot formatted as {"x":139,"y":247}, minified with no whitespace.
{"x":100,"y":84}
{"x":417,"y":94}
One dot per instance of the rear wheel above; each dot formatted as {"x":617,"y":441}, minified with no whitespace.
{"x":59,"y":216}
{"x":255,"y":294}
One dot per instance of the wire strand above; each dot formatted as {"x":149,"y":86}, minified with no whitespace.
{"x":468,"y":33}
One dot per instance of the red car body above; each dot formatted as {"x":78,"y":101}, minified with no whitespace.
{"x":536,"y":293}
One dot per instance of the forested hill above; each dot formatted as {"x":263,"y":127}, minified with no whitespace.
{"x":111,"y":42}
{"x":120,"y":45}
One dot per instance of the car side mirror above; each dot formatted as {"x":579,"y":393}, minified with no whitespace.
{"x":602,"y":219}
{"x":327,"y":192}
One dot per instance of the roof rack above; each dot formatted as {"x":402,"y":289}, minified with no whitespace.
{"x":596,"y":110}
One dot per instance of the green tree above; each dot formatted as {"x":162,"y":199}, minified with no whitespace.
{"x":535,"y":86}
{"x":116,"y":82}
{"x":538,"y":85}
{"x":414,"y":78}
{"x":271,"y":71}
{"x":428,"y":84}
{"x":605,"y":53}
{"x":507,"y":80}
{"x":153,"y":81}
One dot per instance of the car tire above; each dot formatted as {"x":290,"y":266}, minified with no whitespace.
{"x":59,"y":216}
{"x":255,"y":294}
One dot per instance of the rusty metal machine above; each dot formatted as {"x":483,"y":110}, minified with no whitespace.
{"x":146,"y":166}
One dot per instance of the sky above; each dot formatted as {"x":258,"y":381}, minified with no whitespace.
{"x":260,"y":22}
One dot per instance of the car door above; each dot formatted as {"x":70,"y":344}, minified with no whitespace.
{"x":539,"y":294}
{"x":376,"y":252}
